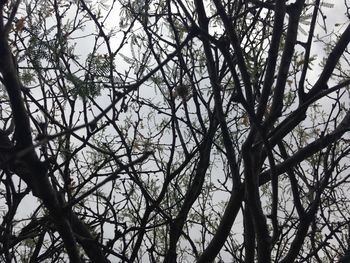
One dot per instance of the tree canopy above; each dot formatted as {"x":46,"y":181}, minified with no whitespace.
{"x":174,"y":131}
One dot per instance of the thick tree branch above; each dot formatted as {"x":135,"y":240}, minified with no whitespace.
{"x":310,"y":149}
{"x":224,"y":228}
{"x":272,"y":57}
{"x":331,"y":62}
{"x":235,"y":42}
{"x":288,"y":51}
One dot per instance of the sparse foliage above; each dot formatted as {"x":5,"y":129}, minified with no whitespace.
{"x":174,"y":131}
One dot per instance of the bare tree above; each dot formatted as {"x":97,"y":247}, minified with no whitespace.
{"x":174,"y":131}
